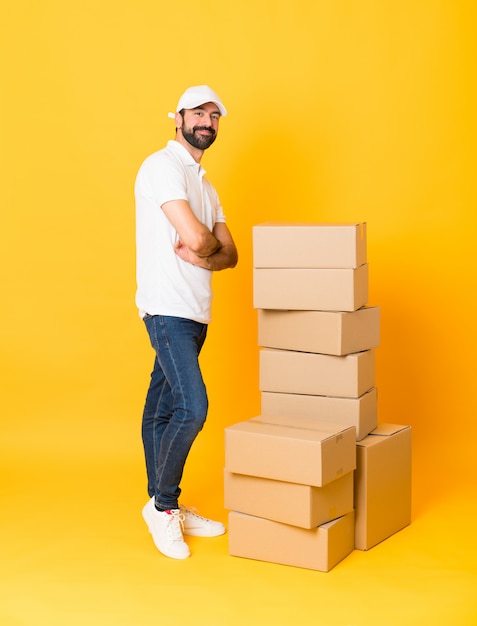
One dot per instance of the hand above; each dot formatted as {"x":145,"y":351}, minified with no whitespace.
{"x":185,"y":254}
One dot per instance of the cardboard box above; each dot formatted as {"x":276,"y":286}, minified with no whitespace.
{"x":310,"y":289}
{"x":295,"y":450}
{"x":289,"y":503}
{"x":309,"y":245}
{"x":362,"y":412}
{"x":324,"y":332}
{"x":287,"y":371}
{"x":319,"y":549}
{"x":382,"y":484}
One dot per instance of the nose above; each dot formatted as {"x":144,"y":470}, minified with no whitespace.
{"x":212,"y":122}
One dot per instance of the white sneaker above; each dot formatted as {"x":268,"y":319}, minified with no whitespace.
{"x":198,"y":526}
{"x":166,"y":530}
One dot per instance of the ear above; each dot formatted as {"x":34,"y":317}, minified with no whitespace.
{"x":178,"y":120}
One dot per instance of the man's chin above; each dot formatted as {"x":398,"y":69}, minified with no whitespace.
{"x":204,"y":141}
{"x":201,"y":142}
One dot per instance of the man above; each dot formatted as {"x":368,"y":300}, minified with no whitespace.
{"x":181,"y":239}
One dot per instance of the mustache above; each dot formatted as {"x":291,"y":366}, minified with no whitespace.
{"x":207,"y":128}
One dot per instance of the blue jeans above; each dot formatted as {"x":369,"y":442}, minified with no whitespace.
{"x":176,"y":404}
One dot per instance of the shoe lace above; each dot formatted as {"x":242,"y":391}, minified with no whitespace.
{"x":175,"y":525}
{"x":192,"y":512}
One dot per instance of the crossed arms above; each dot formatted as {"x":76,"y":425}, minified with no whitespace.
{"x":213,"y":250}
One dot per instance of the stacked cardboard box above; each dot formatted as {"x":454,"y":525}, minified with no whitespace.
{"x":290,"y":479}
{"x":382,"y":484}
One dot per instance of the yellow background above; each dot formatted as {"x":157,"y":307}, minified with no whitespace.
{"x":339,"y":111}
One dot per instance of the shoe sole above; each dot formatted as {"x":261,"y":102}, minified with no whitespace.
{"x":198,"y":532}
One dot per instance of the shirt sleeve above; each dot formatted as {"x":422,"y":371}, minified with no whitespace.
{"x":162,"y":180}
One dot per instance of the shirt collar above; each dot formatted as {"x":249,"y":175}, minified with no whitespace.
{"x":184,"y":155}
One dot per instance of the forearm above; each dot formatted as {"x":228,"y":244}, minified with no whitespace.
{"x":224,"y":255}
{"x":224,"y":258}
{"x":191,"y":232}
{"x":204,"y":244}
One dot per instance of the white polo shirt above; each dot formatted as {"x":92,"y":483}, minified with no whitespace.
{"x":167,"y":285}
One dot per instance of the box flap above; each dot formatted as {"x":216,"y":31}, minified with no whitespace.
{"x":383,"y":431}
{"x":387,"y":430}
{"x":282,"y":430}
{"x":328,"y":429}
{"x":308,"y":224}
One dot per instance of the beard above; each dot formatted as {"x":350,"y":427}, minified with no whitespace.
{"x":201,"y":142}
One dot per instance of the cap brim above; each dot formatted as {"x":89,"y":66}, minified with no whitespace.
{"x":222,"y":109}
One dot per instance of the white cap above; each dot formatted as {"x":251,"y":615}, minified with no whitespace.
{"x":195,"y":96}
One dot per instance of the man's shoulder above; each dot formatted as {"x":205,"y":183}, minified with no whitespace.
{"x":164,"y":153}
{"x":165,"y":157}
